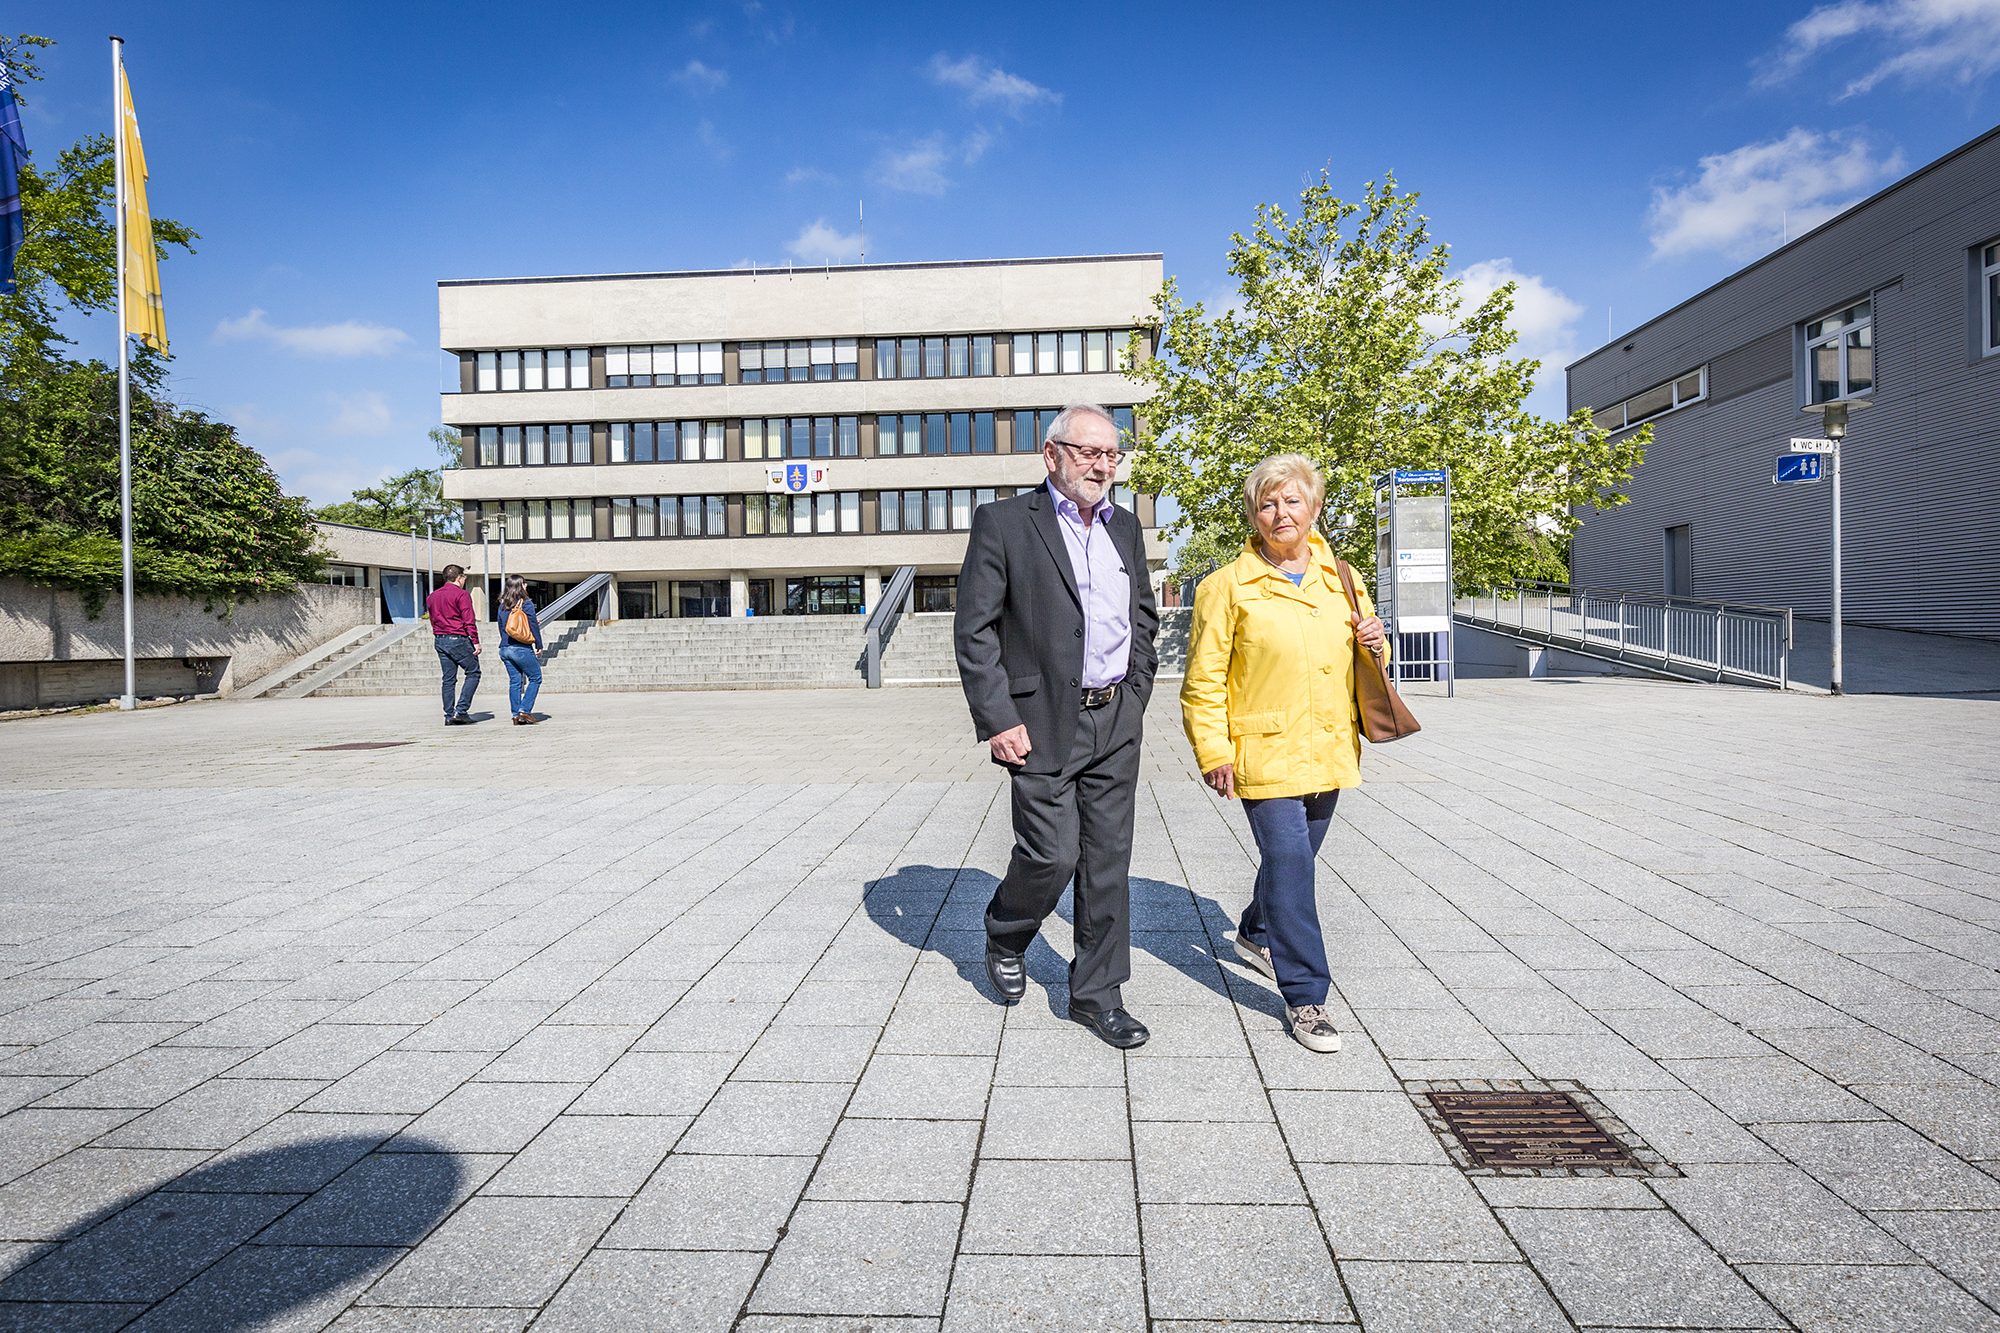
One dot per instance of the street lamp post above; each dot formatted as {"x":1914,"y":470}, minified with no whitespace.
{"x":1834,"y":419}
{"x":416,"y":608}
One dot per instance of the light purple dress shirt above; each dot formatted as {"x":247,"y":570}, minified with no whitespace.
{"x":1104,"y":587}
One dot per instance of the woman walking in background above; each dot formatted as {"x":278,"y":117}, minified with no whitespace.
{"x":520,"y":646}
{"x":1269,"y":705}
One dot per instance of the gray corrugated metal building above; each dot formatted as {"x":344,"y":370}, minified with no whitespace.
{"x":1896,"y":300}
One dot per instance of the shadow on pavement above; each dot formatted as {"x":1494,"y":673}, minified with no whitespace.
{"x":238,"y":1243}
{"x":907,"y":905}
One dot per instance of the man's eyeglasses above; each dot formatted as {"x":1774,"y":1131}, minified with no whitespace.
{"x":1092,"y":455}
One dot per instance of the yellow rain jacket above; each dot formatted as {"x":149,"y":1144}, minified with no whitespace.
{"x":1270,"y":677}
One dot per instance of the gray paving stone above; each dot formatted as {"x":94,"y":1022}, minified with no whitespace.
{"x":733,"y":1028}
{"x":861,"y":1258}
{"x":1356,"y":1127}
{"x":1235,"y":1262}
{"x":1356,"y":1067}
{"x":712,"y":1203}
{"x":1888,"y":1299}
{"x":1059,"y":1207}
{"x":943,"y":1029}
{"x":298,"y":1152}
{"x":809,"y":1054}
{"x":1196,"y":1089}
{"x":1066,"y":1123}
{"x":145,"y":1080}
{"x":325,"y":1050}
{"x":772,"y":1119}
{"x":1685,"y":1128}
{"x":619,"y":1003}
{"x":1882,"y":1165}
{"x":656,"y":1083}
{"x":1965,"y":1246}
{"x":652,"y":1291}
{"x":364,"y":1319}
{"x":1775,"y":1214}
{"x":931,"y":1087}
{"x":479,"y":1025}
{"x":406,"y":1081}
{"x":1769,"y":1088}
{"x":566,"y":1053}
{"x":54,"y":1201}
{"x":898,"y":1161}
{"x":212,"y":1115}
{"x":1213,"y":1163}
{"x":283,"y":1289}
{"x":510,"y":1251}
{"x":385,"y":1198}
{"x":1664,"y":1276}
{"x":30,"y":1138}
{"x":1057,"y":1292}
{"x":1422,"y":1297}
{"x":1404,"y":1212}
{"x":490,"y":1117}
{"x":779,"y":1323}
{"x":590,"y":1155}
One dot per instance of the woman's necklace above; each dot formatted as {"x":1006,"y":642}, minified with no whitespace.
{"x":1280,"y":568}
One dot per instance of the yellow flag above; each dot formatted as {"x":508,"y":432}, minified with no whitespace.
{"x":145,"y":313}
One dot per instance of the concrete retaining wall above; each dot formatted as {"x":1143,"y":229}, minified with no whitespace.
{"x":52,"y":653}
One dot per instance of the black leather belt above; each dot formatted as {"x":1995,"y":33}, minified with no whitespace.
{"x":1100,"y":696}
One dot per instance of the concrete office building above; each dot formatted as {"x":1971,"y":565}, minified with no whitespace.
{"x":631,"y":423}
{"x":1895,"y":303}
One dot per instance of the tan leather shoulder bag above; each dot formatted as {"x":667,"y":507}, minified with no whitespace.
{"x":1384,"y":715}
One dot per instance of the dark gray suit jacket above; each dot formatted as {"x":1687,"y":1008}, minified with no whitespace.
{"x":1019,"y":628}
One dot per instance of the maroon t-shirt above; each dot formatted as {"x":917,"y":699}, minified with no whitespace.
{"x":451,"y":612}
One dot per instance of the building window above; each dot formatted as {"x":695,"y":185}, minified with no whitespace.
{"x":937,"y":592}
{"x":823,"y":595}
{"x":928,"y":511}
{"x":538,"y":445}
{"x":700,"y":597}
{"x":538,"y":520}
{"x":1691,"y":387}
{"x":347,"y":576}
{"x":1087,"y":352}
{"x":798,"y":360}
{"x":801,"y":437}
{"x":669,"y":516}
{"x":663,"y":364}
{"x":934,"y":358}
{"x":1680,"y":561}
{"x":1840,"y":354}
{"x":666,"y":441}
{"x":539,"y":368}
{"x":1989,"y":275}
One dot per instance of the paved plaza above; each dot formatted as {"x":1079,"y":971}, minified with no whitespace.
{"x":669,"y":1015}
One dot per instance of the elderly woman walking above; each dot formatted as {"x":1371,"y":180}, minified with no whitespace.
{"x":1269,"y":705}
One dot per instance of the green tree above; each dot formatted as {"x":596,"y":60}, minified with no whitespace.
{"x":1354,"y":347}
{"x":406,"y":498}
{"x":208,"y":518}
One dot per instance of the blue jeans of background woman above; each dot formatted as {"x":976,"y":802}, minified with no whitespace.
{"x":524,"y":676}
{"x":1283,"y":915}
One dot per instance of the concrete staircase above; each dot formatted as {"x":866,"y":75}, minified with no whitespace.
{"x":762,"y":653}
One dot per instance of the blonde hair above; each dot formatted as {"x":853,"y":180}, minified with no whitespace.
{"x":1276,"y":471}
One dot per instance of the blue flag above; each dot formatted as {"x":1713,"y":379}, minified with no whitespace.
{"x":13,"y":150}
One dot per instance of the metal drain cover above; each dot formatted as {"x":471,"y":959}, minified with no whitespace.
{"x":360,"y":745}
{"x":1528,"y":1129}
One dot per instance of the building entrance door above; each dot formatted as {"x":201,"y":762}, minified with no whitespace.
{"x":760,"y":597}
{"x":701,"y":597}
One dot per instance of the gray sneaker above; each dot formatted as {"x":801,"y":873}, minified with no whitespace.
{"x":1257,"y":956}
{"x":1311,"y":1029}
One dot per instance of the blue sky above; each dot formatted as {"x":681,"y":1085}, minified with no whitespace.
{"x":339,"y":160}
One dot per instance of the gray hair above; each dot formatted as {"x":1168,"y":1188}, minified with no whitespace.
{"x":1059,"y":428}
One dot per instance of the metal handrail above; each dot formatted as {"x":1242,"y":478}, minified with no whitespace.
{"x":595,"y":583}
{"x":1693,"y":637}
{"x":882,"y":620}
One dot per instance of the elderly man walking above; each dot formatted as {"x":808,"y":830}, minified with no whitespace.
{"x":1055,"y":634}
{"x":455,"y":630}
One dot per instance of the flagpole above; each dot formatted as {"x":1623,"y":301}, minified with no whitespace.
{"x":130,"y":698}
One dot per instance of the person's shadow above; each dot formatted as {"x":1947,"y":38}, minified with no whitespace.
{"x":235,"y":1244}
{"x":942,"y":911}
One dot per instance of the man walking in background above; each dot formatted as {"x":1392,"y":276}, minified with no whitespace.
{"x":1054,"y":633}
{"x":456,"y":628}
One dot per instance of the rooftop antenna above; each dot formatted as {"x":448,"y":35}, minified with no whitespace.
{"x":861,"y":213}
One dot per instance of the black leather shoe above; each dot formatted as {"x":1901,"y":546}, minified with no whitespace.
{"x":1115,"y":1027}
{"x":1008,"y":973}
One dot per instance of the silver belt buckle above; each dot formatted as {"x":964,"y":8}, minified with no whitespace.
{"x":1100,"y":696}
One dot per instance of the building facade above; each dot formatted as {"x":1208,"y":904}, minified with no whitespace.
{"x":641,"y":424}
{"x":1894,"y":304}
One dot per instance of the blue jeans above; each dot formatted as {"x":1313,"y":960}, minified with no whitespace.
{"x":454,"y":655}
{"x":524,"y":676}
{"x":1283,"y":915}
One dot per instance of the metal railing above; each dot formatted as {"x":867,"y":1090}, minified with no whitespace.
{"x":882,"y":621}
{"x":1680,"y":636}
{"x":596,"y":583}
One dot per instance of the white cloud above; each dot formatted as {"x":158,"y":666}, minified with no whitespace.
{"x":711,"y":139}
{"x":983,"y":83}
{"x":801,"y":175}
{"x":919,"y":168}
{"x":1920,"y":42}
{"x":698,"y":78}
{"x":365,"y":412}
{"x":323,"y":478}
{"x":818,"y":243}
{"x":1748,"y":199}
{"x":349,"y":338}
{"x":1543,"y":317}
